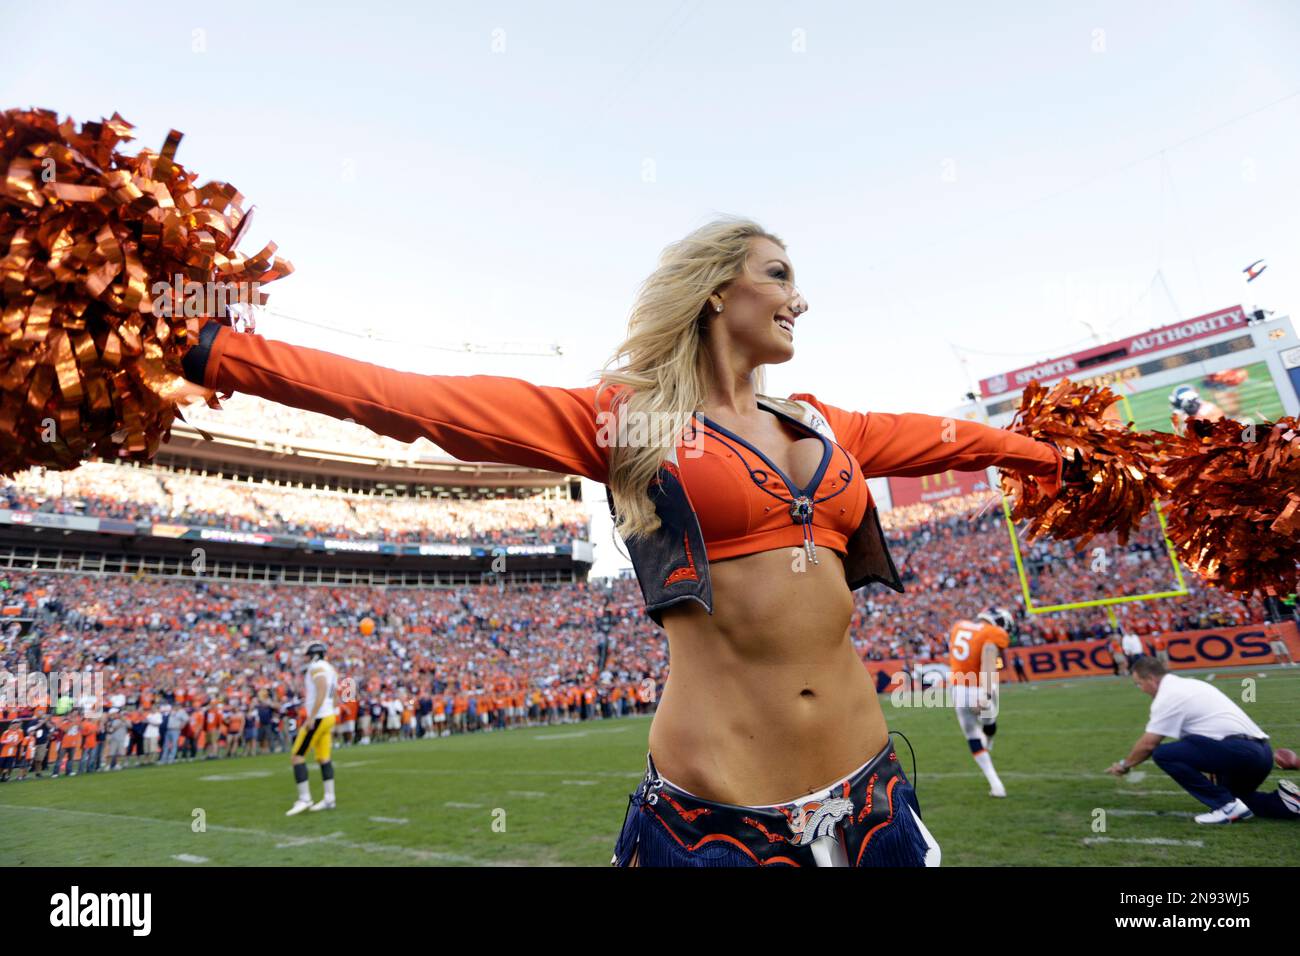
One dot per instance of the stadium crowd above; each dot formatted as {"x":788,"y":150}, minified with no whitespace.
{"x":955,"y":557}
{"x":147,"y":493}
{"x":216,"y":661}
{"x":273,"y":422}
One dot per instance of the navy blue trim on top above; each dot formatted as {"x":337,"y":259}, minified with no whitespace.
{"x":828,"y":452}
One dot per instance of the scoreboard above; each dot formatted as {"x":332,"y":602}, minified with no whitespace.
{"x":1245,"y":362}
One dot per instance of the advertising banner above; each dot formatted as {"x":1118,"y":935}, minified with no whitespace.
{"x":1216,"y":647}
{"x":930,"y":488}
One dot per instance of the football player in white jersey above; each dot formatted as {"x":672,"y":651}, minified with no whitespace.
{"x":317,"y":731}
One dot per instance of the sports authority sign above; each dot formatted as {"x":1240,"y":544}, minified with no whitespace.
{"x":1225,"y":320}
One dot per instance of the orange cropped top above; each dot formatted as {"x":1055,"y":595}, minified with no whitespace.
{"x":746,"y":503}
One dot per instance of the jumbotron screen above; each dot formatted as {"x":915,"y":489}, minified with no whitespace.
{"x":1232,"y":360}
{"x":1244,"y":392}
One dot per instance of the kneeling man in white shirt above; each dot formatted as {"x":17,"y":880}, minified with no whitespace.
{"x":1212,"y":735}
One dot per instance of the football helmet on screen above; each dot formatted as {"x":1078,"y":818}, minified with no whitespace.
{"x":998,"y":616}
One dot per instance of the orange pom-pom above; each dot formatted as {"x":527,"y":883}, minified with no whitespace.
{"x":367,"y":626}
{"x":1115,"y":481}
{"x":101,"y":256}
{"x":1234,"y":505}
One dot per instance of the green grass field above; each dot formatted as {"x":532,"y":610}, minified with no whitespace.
{"x":564,"y":790}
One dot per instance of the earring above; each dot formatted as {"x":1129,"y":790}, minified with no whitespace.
{"x":717,"y":308}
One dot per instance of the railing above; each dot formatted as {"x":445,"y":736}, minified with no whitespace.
{"x":80,"y":561}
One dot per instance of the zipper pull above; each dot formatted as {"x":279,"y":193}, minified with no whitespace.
{"x":801,"y":509}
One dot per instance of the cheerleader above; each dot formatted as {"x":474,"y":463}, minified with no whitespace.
{"x":749,"y":526}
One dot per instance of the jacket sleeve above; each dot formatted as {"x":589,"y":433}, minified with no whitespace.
{"x":488,"y":418}
{"x":914,"y":444}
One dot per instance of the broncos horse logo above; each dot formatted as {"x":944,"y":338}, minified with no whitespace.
{"x":818,"y":818}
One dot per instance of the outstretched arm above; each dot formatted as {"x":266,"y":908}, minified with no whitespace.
{"x":914,"y":444}
{"x":473,"y":417}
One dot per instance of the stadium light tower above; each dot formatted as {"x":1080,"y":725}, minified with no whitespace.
{"x":544,"y":349}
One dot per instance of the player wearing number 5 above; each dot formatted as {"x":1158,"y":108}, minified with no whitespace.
{"x":973,"y":654}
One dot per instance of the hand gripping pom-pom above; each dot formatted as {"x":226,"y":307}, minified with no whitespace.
{"x":1109,"y":478}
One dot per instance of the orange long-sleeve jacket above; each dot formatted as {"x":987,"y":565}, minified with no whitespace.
{"x":501,"y":419}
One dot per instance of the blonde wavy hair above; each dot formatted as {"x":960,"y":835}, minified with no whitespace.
{"x":665,"y":361}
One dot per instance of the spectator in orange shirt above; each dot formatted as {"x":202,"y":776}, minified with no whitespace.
{"x":408,"y":719}
{"x":351,"y":714}
{"x":70,"y":746}
{"x":89,"y":745}
{"x":440,"y":715}
{"x":10,"y":742}
{"x":212,"y":726}
{"x":194,"y":736}
{"x":459,"y":708}
{"x":1162,"y":649}
{"x":27,"y":755}
{"x":235,"y":733}
{"x":1117,"y":658}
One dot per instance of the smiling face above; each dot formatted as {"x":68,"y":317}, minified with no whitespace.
{"x":761,"y":307}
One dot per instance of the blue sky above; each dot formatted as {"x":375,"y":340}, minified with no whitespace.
{"x":985,"y":176}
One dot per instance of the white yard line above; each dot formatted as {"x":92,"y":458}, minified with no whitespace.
{"x":1015,"y":774}
{"x":389,"y":820}
{"x":189,"y":858}
{"x":382,"y":849}
{"x":446,"y":771}
{"x":570,"y":734}
{"x":1092,"y":728}
{"x":1147,"y":841}
{"x":304,"y":840}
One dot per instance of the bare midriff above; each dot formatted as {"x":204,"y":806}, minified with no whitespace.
{"x":766,"y":699}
